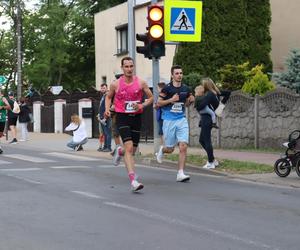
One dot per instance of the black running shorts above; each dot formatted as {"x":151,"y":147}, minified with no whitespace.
{"x":129,"y":127}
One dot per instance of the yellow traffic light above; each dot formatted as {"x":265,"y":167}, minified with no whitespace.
{"x":156,"y":31}
{"x":156,"y":14}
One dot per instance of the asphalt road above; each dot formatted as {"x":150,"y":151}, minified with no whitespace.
{"x":53,"y":200}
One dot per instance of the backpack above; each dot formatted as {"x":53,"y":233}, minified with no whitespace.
{"x":16,"y":108}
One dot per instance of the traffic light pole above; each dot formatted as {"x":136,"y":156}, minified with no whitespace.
{"x":155,"y":80}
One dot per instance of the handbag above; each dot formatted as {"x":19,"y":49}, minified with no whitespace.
{"x":219,"y":109}
{"x":16,"y":108}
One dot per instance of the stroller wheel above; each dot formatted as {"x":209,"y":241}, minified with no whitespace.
{"x":282,"y":167}
{"x":297,"y":166}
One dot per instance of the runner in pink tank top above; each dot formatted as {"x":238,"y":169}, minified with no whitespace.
{"x":128,"y":93}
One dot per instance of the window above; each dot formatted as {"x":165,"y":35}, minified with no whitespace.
{"x":122,"y":39}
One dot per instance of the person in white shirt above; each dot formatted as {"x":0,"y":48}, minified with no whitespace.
{"x":77,"y":126}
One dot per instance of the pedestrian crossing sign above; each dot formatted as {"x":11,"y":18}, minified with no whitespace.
{"x":183,"y":20}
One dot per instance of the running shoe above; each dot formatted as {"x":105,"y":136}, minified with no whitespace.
{"x":160,"y":155}
{"x":14,"y":141}
{"x":181,"y":177}
{"x":77,"y":147}
{"x":216,"y":163}
{"x":117,"y":156}
{"x":136,"y":186}
{"x":209,"y":165}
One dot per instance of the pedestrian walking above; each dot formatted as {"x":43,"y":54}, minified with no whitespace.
{"x":78,"y":128}
{"x":12,"y":114}
{"x":213,"y":97}
{"x":104,"y":122}
{"x":24,"y":118}
{"x":128,"y":92}
{"x":4,"y":106}
{"x":173,"y":99}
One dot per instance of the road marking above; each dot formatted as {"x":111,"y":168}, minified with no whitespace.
{"x":28,"y":158}
{"x":90,"y":195}
{"x":71,"y":156}
{"x":24,"y":179}
{"x":19,"y":169}
{"x":177,"y":222}
{"x":109,"y":166}
{"x":4,"y":162}
{"x":69,"y":167}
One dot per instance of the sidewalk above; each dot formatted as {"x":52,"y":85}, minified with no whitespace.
{"x":51,"y":141}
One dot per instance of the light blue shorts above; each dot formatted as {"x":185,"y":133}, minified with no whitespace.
{"x":175,"y":131}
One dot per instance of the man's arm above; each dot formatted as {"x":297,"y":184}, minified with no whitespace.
{"x":148,"y":100}
{"x":7,"y":106}
{"x":108,"y":98}
{"x":162,"y":102}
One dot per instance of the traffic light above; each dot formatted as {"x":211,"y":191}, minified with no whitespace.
{"x":156,"y":34}
{"x":143,"y":49}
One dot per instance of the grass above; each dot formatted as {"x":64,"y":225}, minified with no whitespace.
{"x":228,"y":166}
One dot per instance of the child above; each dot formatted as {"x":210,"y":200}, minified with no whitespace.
{"x":199,"y":94}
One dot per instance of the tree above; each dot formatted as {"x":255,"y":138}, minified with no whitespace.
{"x":291,"y":77}
{"x":231,"y":34}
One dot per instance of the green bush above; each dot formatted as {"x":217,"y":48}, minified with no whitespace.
{"x":259,"y":83}
{"x":192,"y":80}
{"x":233,"y":77}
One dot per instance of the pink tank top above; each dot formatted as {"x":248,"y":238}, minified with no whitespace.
{"x":126,"y":95}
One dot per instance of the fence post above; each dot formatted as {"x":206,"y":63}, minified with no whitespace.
{"x":58,"y":115}
{"x":256,"y":121}
{"x":37,"y":116}
{"x":86,"y":103}
{"x":219,"y":132}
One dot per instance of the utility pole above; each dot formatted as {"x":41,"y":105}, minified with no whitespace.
{"x":19,"y":49}
{"x":131,"y":29}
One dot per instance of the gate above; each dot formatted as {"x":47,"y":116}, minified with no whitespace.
{"x":147,"y":124}
{"x":68,"y":110}
{"x":47,"y":119}
{"x":95,"y":122}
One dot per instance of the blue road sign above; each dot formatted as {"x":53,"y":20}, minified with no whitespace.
{"x":183,"y":21}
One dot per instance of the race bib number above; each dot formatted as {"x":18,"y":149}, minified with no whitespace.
{"x":129,"y":106}
{"x":177,"y":107}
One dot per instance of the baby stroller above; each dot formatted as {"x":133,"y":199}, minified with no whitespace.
{"x":291,"y":158}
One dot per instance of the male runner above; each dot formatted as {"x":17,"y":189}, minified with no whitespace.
{"x":173,"y":99}
{"x":128,"y":92}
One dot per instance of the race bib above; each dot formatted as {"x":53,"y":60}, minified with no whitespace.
{"x":177,"y":107}
{"x":129,"y":106}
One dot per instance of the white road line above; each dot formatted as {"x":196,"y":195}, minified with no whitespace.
{"x":19,"y":169}
{"x":27,"y":158}
{"x":24,"y":179}
{"x":109,"y":166}
{"x":69,"y":167}
{"x":198,"y":228}
{"x":90,"y":195}
{"x":71,"y":156}
{"x":4,"y":162}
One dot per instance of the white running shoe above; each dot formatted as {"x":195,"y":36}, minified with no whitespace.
{"x":160,"y":155}
{"x":136,"y":186}
{"x":117,"y":156}
{"x":209,"y":165}
{"x":181,"y":177}
{"x":216,"y":162}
